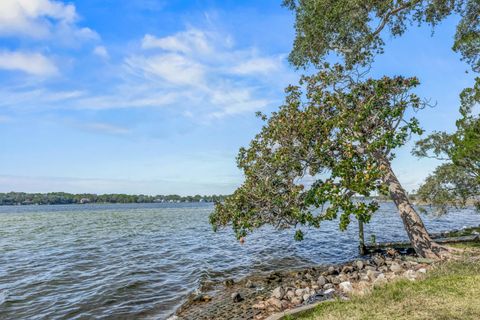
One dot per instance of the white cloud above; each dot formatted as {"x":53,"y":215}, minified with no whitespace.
{"x":190,"y":41}
{"x":258,"y":65}
{"x":42,"y":19}
{"x":172,"y":68}
{"x":29,"y":96}
{"x":221,"y":79}
{"x":133,"y":97}
{"x":101,"y":51}
{"x":31,"y":63}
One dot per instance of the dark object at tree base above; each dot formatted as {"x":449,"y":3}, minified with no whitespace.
{"x":406,"y":246}
{"x":236,"y":297}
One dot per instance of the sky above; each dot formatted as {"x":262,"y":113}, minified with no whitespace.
{"x":157,"y":96}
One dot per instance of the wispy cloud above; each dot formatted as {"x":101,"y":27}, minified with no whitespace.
{"x":258,"y":66}
{"x":198,"y":72}
{"x":222,"y":80}
{"x":33,"y":96}
{"x":31,"y":63}
{"x":189,"y":41}
{"x":171,"y":68}
{"x":101,"y":51}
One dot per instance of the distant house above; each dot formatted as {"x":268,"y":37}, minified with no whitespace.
{"x":84,"y":200}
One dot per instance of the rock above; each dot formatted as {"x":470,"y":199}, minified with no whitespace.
{"x":297,"y":300}
{"x":274,"y":302}
{"x":364,"y":277}
{"x":321,"y":280}
{"x":383,"y":269}
{"x":422,"y":270}
{"x":342,"y":277}
{"x":228,"y":283}
{"x":260,"y":305}
{"x":308,"y":276}
{"x":290,"y":294}
{"x":332,"y":271}
{"x":249,"y":284}
{"x":336,"y":280}
{"x":371,"y":268}
{"x":346,"y":287}
{"x":347,"y":269}
{"x":372,"y":275}
{"x":306,"y":296}
{"x":274,"y":277}
{"x":359,"y":264}
{"x":173,"y":318}
{"x":395,"y":267}
{"x":236,"y":297}
{"x":381,"y":280}
{"x":362,"y":288}
{"x":328,"y":286}
{"x":410,"y":275}
{"x":378,"y":260}
{"x":354,"y":276}
{"x":329,"y":291}
{"x":202,"y":298}
{"x":299,"y":292}
{"x":278,"y":293}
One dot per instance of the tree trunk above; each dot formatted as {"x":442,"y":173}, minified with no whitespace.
{"x":419,"y":237}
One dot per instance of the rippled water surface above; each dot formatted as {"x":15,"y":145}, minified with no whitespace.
{"x":140,"y":261}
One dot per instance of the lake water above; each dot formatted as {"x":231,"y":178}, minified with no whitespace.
{"x":142,"y":260}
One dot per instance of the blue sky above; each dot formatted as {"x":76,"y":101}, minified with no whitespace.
{"x":156,"y":97}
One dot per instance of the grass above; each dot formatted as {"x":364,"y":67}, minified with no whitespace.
{"x":451,"y":291}
{"x":465,"y":245}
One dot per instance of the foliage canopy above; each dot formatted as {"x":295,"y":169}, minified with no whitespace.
{"x":353,"y":28}
{"x":458,"y":180}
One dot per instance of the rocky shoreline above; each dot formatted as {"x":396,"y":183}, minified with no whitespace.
{"x":259,"y":297}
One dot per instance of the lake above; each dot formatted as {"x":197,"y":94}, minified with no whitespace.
{"x":141,"y":260}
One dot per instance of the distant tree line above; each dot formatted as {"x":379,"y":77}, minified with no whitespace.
{"x":22,"y":198}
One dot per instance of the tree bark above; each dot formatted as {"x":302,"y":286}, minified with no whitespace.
{"x":417,"y":233}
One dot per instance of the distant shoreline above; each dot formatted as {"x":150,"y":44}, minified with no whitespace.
{"x":95,"y":203}
{"x":63,"y":198}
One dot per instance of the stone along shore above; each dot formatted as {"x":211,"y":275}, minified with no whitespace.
{"x":260,"y":297}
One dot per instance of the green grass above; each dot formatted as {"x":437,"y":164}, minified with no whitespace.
{"x":451,"y":291}
{"x":465,"y":245}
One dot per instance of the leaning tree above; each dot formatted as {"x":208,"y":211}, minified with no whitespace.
{"x":335,"y":135}
{"x":326,"y":144}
